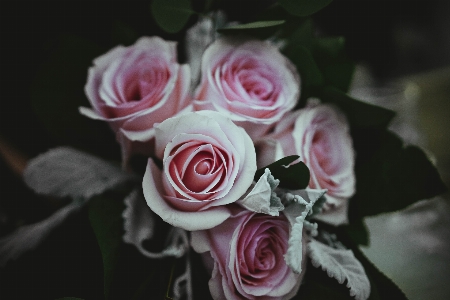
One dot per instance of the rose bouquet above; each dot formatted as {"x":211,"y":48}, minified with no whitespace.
{"x":246,"y":171}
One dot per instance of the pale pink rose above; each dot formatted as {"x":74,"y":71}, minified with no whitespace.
{"x":208,"y":162}
{"x":320,"y":135}
{"x":134,"y":87}
{"x":249,"y":81}
{"x":248,"y":252}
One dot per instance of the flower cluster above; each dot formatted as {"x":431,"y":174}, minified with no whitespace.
{"x":211,"y":139}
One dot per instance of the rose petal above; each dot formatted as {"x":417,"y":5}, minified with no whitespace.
{"x":201,"y":220}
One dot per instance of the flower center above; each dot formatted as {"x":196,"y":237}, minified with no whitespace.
{"x":203,"y":167}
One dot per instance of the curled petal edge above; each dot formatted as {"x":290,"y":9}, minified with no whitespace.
{"x":196,"y":220}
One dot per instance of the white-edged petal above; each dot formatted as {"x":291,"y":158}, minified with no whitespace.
{"x":153,"y":193}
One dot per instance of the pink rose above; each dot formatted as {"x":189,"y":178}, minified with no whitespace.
{"x":248,"y":251}
{"x":250,"y":82}
{"x":208,"y":162}
{"x":320,"y":135}
{"x":134,"y":87}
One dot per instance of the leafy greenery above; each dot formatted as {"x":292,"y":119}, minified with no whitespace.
{"x":171,"y":15}
{"x":259,"y":29}
{"x":359,"y":114}
{"x":303,"y":35}
{"x":310,"y":73}
{"x":390,"y":176}
{"x":294,"y":177}
{"x":105,"y":216}
{"x":303,"y":8}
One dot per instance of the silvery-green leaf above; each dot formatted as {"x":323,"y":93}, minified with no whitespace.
{"x":30,"y":236}
{"x":138,"y":221}
{"x":183,"y":284}
{"x":342,"y":265}
{"x":317,"y":207}
{"x":198,"y":38}
{"x":298,"y":207}
{"x":261,"y":198}
{"x":311,"y":195}
{"x":334,"y":211}
{"x":64,"y":171}
{"x":139,"y":226}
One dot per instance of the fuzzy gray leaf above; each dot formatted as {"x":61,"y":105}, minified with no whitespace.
{"x":342,"y":265}
{"x":30,"y":236}
{"x":138,"y":221}
{"x":64,"y":171}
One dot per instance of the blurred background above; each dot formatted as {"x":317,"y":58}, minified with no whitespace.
{"x":402,"y":48}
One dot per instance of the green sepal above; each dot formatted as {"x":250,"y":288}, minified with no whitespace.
{"x":294,"y":177}
{"x":389,"y":175}
{"x":171,"y":15}
{"x":359,"y":114}
{"x":303,"y":8}
{"x":105,"y":216}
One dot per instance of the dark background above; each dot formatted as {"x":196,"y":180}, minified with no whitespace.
{"x":393,"y":38}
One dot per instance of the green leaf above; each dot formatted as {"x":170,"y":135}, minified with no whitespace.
{"x":171,"y":15}
{"x":303,"y":8}
{"x":359,"y":114}
{"x":303,"y":35}
{"x":294,"y":177}
{"x":390,"y":176}
{"x":339,"y":74}
{"x":254,"y":25}
{"x":260,"y":29}
{"x":105,"y":216}
{"x":306,"y":66}
{"x":329,"y":47}
{"x":329,"y":53}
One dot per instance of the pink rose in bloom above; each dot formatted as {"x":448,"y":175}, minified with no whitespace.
{"x":208,"y":162}
{"x":320,"y":136}
{"x":248,"y":251}
{"x":250,"y":82}
{"x":134,"y":87}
